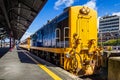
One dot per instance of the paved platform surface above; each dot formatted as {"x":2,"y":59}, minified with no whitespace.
{"x":19,"y":64}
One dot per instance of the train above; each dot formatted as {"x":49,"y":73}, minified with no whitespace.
{"x":69,"y":41}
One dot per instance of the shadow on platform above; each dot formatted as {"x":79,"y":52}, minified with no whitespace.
{"x":24,"y":58}
{"x":3,"y":51}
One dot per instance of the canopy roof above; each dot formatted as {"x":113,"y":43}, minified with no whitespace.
{"x":17,"y":15}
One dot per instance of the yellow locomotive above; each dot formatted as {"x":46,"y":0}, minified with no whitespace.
{"x":70,"y":41}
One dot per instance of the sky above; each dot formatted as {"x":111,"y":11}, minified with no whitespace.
{"x":55,"y":7}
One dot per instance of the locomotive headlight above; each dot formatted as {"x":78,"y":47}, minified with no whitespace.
{"x":67,"y":55}
{"x":87,"y":10}
{"x":84,"y":10}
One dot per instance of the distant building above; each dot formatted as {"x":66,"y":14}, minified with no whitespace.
{"x":109,"y":27}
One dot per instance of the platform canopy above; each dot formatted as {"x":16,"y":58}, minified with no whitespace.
{"x":17,"y":15}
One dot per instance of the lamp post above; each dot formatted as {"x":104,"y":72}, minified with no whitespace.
{"x":101,"y":37}
{"x":118,"y":38}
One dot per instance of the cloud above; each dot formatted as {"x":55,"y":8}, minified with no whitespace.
{"x":91,"y":4}
{"x":60,"y":3}
{"x":116,"y":13}
{"x":26,"y":35}
{"x":67,"y":3}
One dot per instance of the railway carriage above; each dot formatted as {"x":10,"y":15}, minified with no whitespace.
{"x":70,"y":41}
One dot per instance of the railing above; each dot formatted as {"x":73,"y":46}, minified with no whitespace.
{"x":58,"y":36}
{"x":66,"y":36}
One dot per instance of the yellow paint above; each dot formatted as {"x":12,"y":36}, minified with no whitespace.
{"x":54,"y":76}
{"x":28,"y":42}
{"x":83,"y":40}
{"x":23,"y":46}
{"x":54,"y":50}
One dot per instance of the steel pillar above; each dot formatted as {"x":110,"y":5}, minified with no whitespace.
{"x":1,"y":43}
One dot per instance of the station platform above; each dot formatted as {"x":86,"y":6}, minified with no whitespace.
{"x":20,"y":64}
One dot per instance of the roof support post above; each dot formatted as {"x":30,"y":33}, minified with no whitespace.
{"x":1,"y":43}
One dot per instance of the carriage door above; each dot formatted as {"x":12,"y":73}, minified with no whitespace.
{"x":58,"y":37}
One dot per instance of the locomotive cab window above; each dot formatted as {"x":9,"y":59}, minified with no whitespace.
{"x":63,"y":30}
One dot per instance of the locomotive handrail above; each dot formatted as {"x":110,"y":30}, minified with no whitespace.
{"x":57,"y":38}
{"x":65,"y":35}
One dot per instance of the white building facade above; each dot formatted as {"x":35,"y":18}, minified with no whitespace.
{"x":109,"y":27}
